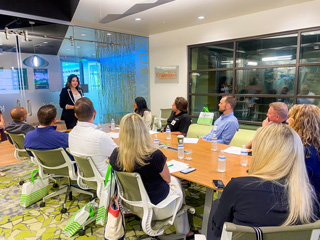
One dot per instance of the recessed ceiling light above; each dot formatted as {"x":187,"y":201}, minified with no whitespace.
{"x":109,"y":34}
{"x":45,"y":42}
{"x":138,"y":19}
{"x":83,"y":35}
{"x":201,"y":17}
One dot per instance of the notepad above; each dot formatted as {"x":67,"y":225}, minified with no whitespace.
{"x":113,"y":134}
{"x":190,"y":140}
{"x":233,"y":150}
{"x":175,"y":166}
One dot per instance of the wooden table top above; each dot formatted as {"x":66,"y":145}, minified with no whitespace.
{"x":205,"y":161}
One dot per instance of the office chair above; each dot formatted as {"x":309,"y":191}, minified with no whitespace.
{"x":19,"y":153}
{"x":56,"y":164}
{"x":134,"y":197}
{"x":297,"y":232}
{"x":88,"y":178}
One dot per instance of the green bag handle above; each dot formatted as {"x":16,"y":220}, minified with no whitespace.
{"x":107,"y":175}
{"x":32,"y":177}
{"x":205,"y":109}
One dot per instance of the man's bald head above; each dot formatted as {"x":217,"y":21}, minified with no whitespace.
{"x":18,"y":114}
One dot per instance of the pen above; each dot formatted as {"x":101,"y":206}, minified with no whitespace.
{"x":170,"y":165}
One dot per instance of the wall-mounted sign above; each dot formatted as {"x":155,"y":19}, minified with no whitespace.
{"x":168,"y":74}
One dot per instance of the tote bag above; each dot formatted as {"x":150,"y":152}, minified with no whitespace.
{"x":34,"y":191}
{"x":205,"y":118}
{"x":114,"y":229}
{"x":107,"y":192}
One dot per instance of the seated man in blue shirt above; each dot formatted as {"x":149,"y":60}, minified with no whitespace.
{"x":227,"y":124}
{"x":45,"y":136}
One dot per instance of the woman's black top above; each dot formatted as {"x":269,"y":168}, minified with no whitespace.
{"x":251,"y":201}
{"x":66,"y":97}
{"x":154,"y":184}
{"x":179,"y":122}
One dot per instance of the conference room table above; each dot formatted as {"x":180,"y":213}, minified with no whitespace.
{"x":205,"y":161}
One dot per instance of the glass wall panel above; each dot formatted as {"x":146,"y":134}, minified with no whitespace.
{"x":265,"y":81}
{"x":310,"y":100}
{"x":213,"y":56}
{"x":198,"y":102}
{"x":310,"y":47}
{"x":267,"y":51}
{"x":255,"y":109}
{"x":211,"y":82}
{"x":309,"y":80}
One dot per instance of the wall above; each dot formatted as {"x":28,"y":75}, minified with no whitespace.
{"x":170,"y":48}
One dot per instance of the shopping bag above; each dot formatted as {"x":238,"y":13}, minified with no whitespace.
{"x":205,"y":118}
{"x":34,"y":191}
{"x":79,"y":218}
{"x":114,"y":229}
{"x":106,"y":193}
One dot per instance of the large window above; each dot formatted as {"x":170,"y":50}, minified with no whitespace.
{"x":258,"y":71}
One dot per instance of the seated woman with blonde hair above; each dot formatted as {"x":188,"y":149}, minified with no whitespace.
{"x":136,"y":154}
{"x":277,"y":191}
{"x":305,"y":120}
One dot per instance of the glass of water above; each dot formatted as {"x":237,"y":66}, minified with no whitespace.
{"x":188,"y":154}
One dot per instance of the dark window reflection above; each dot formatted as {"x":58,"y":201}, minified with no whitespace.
{"x":265,"y":81}
{"x":267,"y":51}
{"x":310,"y":47}
{"x":210,"y":57}
{"x":309,"y":81}
{"x":211,"y":82}
{"x":256,"y":108}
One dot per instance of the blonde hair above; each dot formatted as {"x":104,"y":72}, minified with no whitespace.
{"x":135,"y":144}
{"x":278,"y":154}
{"x":306,"y":122}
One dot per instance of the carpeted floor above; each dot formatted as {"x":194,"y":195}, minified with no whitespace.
{"x":33,"y":222}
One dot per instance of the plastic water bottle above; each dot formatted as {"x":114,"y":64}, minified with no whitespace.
{"x":180,"y":151}
{"x":156,"y":141}
{"x":113,"y":125}
{"x":244,"y":156}
{"x":222,"y":162}
{"x":168,"y":131}
{"x":214,"y":143}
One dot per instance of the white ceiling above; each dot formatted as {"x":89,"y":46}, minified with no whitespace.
{"x":168,"y":16}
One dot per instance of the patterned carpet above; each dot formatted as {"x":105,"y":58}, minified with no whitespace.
{"x":33,"y":222}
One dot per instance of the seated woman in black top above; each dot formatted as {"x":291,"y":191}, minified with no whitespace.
{"x":277,"y":190}
{"x":179,"y":120}
{"x":136,"y":154}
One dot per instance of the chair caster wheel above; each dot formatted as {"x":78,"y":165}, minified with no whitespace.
{"x":63,"y":210}
{"x":55,"y":185}
{"x":82,"y":232}
{"x":21,"y":182}
{"x":42,"y":204}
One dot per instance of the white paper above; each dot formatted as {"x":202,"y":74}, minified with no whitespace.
{"x":152,"y":132}
{"x":175,"y":166}
{"x":233,"y":150}
{"x":190,"y":140}
{"x":116,"y":128}
{"x":113,"y":134}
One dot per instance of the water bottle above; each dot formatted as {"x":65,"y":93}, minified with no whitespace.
{"x":156,"y":141}
{"x":244,"y":156}
{"x":180,"y":151}
{"x":222,"y":162}
{"x":214,"y":143}
{"x":113,"y":125}
{"x":168,"y":131}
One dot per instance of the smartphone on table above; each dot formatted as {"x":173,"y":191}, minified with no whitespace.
{"x":218,"y":184}
{"x":188,"y":170}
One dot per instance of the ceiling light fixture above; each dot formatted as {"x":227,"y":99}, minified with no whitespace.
{"x":138,"y":19}
{"x":278,"y":58}
{"x":201,"y":17}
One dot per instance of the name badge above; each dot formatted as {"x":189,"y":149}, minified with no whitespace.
{"x":215,"y":128}
{"x":173,"y":122}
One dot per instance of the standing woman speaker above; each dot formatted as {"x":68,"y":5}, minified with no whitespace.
{"x":68,"y":97}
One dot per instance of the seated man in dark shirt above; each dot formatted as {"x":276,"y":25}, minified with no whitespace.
{"x":18,"y":125}
{"x":45,"y":136}
{"x":179,"y":120}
